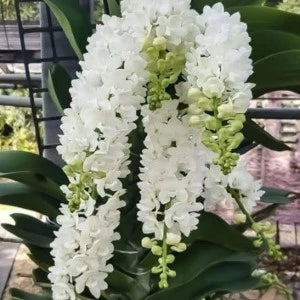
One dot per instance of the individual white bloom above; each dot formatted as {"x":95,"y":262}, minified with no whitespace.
{"x":95,"y":281}
{"x":249,"y":189}
{"x":63,"y":291}
{"x":213,"y":87}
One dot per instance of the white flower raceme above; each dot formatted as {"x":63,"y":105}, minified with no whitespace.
{"x":83,"y":247}
{"x":174,"y":167}
{"x":105,"y":99}
{"x":219,"y":64}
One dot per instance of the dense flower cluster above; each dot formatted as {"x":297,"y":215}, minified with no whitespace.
{"x":105,"y":100}
{"x":170,"y":183}
{"x":83,"y":247}
{"x":132,"y":60}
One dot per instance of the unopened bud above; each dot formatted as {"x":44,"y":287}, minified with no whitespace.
{"x":211,"y":123}
{"x":173,"y":239}
{"x":194,"y":94}
{"x":240,"y":218}
{"x":195,"y":120}
{"x":160,"y":43}
{"x":156,"y":250}
{"x":147,"y":243}
{"x":181,"y":247}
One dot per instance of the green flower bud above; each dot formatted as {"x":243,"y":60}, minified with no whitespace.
{"x":211,"y":123}
{"x":194,"y":109}
{"x":160,"y":43}
{"x":181,"y":247}
{"x":235,"y":141}
{"x":156,"y":270}
{"x":173,"y":239}
{"x":225,"y":111}
{"x":205,"y":103}
{"x":240,"y":218}
{"x":194,"y":94}
{"x":170,"y":259}
{"x":195,"y":120}
{"x":257,"y":243}
{"x":147,"y":243}
{"x":235,"y":126}
{"x":171,"y":273}
{"x":156,"y":250}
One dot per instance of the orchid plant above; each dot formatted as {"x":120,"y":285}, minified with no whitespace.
{"x":151,"y":137}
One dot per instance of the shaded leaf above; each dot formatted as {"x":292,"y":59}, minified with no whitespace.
{"x":199,"y":4}
{"x":38,"y":182}
{"x":267,"y":18}
{"x":253,"y":132}
{"x":268,"y":42}
{"x":206,"y":272}
{"x":114,"y":8}
{"x":280,"y":71}
{"x":59,"y":83}
{"x":276,"y":196}
{"x":22,"y":295}
{"x":74,"y":21}
{"x":223,"y":234}
{"x":40,"y":278}
{"x":31,"y":230}
{"x":20,"y":195}
{"x":17,"y":161}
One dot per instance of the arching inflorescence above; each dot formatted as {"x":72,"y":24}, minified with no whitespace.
{"x":184,"y":76}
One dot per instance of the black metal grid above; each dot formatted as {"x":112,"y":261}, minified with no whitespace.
{"x":50,"y":29}
{"x":28,"y":59}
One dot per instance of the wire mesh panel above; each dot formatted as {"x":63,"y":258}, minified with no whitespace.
{"x":54,"y":49}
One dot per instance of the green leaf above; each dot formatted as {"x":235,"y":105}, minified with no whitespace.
{"x":31,"y":230}
{"x":59,"y":83}
{"x":199,"y":4}
{"x":16,"y":161}
{"x":204,"y":276}
{"x":214,"y":229}
{"x":268,"y":42}
{"x":20,"y":195}
{"x":276,"y":196}
{"x":37,"y":181}
{"x":267,"y":18}
{"x":22,"y":295}
{"x":126,"y":285}
{"x":41,"y":255}
{"x":280,"y":71}
{"x":74,"y":21}
{"x":114,"y":8}
{"x":40,"y":278}
{"x":253,"y":132}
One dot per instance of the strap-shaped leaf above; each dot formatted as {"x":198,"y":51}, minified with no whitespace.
{"x":74,"y":22}
{"x":223,"y":234}
{"x":37,"y":181}
{"x":114,"y":8}
{"x":276,"y":196}
{"x":17,"y":161}
{"x":280,"y":71}
{"x":59,"y":83}
{"x":40,"y":256}
{"x":20,"y":195}
{"x":31,"y":230}
{"x":199,"y":4}
{"x":206,"y":273}
{"x":40,"y":278}
{"x":17,"y":294}
{"x":268,"y":42}
{"x":267,"y":18}
{"x":253,"y":132}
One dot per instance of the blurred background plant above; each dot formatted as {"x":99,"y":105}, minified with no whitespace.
{"x":16,"y":126}
{"x":29,"y":11}
{"x":292,"y":6}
